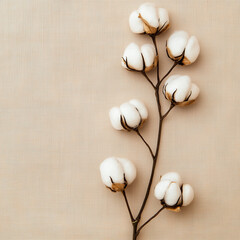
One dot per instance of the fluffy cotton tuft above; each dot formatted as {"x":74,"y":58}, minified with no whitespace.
{"x":148,"y":14}
{"x":192,"y":50}
{"x":115,"y":118}
{"x":177,"y":43}
{"x":139,"y":59}
{"x":149,"y":19}
{"x":132,"y":57}
{"x":117,"y":173}
{"x":187,"y":194}
{"x":129,"y":115}
{"x":161,"y":189}
{"x":180,"y":90}
{"x":173,"y":177}
{"x":163,"y":19}
{"x":183,"y":49}
{"x":172,"y":193}
{"x":149,"y":54}
{"x":140,"y":107}
{"x":135,"y":23}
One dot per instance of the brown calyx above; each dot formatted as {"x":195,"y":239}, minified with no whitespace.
{"x":185,"y":61}
{"x":178,"y":59}
{"x":185,"y":103}
{"x":177,"y":209}
{"x":168,"y":96}
{"x":118,"y":187}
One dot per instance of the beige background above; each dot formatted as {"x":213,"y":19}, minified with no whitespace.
{"x":59,"y":75}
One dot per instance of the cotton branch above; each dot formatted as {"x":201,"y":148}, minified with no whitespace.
{"x":129,"y":116}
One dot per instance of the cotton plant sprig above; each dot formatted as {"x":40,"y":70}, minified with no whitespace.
{"x":117,"y":173}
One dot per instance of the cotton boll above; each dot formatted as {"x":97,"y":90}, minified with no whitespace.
{"x":149,"y":16}
{"x":163,"y":19}
{"x":149,"y":19}
{"x":182,"y":84}
{"x":111,"y":168}
{"x":129,"y":170}
{"x":115,"y":118}
{"x":173,"y":177}
{"x":172,"y":195}
{"x":177,"y":43}
{"x":135,"y":23}
{"x":180,"y":91}
{"x":117,"y":173}
{"x":149,"y":56}
{"x":182,"y":49}
{"x":131,"y":116}
{"x":132,"y":57}
{"x":140,"y":107}
{"x":168,"y":95}
{"x":192,"y":51}
{"x":178,"y":88}
{"x":161,"y":189}
{"x":137,"y":59}
{"x":187,"y":194}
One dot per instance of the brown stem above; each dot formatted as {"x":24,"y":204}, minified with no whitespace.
{"x":145,"y":142}
{"x":151,"y":218}
{"x":135,"y":234}
{"x":155,"y":45}
{"x":148,"y":190}
{"x":160,"y":122}
{"x":128,"y":207}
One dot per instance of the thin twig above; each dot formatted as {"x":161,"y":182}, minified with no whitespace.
{"x":146,"y":76}
{"x":148,"y":190}
{"x":145,"y":142}
{"x":151,"y":218}
{"x":160,"y":123}
{"x":128,"y":207}
{"x":173,"y":66}
{"x":168,"y":111}
{"x":155,"y":45}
